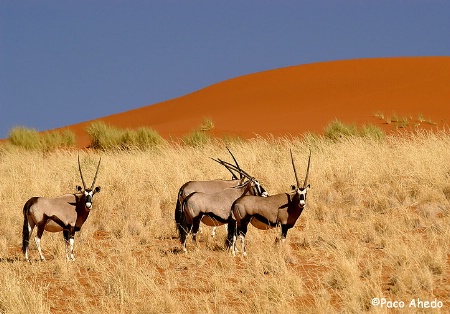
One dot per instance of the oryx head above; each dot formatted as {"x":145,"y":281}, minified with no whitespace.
{"x":301,"y":191}
{"x":88,"y":192}
{"x":258,"y":189}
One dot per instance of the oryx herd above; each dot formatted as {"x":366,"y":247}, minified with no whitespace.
{"x":234,"y":203}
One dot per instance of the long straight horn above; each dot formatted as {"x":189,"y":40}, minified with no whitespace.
{"x":232,"y":173}
{"x":307,"y":171}
{"x":235,"y":161}
{"x":95,"y":177}
{"x":295,"y":171}
{"x":227,"y":164}
{"x":81,"y":173}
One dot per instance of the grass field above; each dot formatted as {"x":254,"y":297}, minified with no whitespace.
{"x":375,"y":226}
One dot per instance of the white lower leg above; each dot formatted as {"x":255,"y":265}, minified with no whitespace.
{"x":184,"y":245}
{"x":38,"y":244}
{"x":243,"y":245}
{"x":72,"y":256}
{"x":26,"y":254}
{"x":233,"y":246}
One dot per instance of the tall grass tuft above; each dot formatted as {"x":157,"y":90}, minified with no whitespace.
{"x":372,"y":131}
{"x":106,"y":137}
{"x":337,"y":130}
{"x":30,"y":139}
{"x":196,"y":139}
{"x":25,"y":138}
{"x":200,"y":136}
{"x":207,"y":124}
{"x":103,"y":136}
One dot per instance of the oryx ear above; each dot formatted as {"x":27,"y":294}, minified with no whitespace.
{"x":308,"y":187}
{"x":293,"y":187}
{"x":79,"y":188}
{"x":97,"y":189}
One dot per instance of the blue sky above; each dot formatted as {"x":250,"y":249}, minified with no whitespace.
{"x":64,"y":62}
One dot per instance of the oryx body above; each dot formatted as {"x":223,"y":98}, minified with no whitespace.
{"x":65,"y":213}
{"x":207,"y":186}
{"x":264,"y":213}
{"x":213,"y":209}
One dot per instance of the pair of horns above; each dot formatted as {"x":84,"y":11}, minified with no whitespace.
{"x":81,"y":173}
{"x":227,"y":165}
{"x":305,"y":183}
{"x":237,"y":165}
{"x":237,"y":169}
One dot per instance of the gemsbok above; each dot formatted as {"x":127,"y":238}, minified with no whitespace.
{"x":213,"y":209}
{"x":209,"y":186}
{"x":65,"y":213}
{"x":268,"y":212}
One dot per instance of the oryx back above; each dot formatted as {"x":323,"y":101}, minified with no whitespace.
{"x":215,"y":205}
{"x":262,"y":213}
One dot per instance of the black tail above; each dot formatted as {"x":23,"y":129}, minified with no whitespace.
{"x":183,"y":226}
{"x":178,"y":212}
{"x":25,"y":230}
{"x":178,"y":209}
{"x":232,"y":228}
{"x":180,"y":219}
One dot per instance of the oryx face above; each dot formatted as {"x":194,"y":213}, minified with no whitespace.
{"x":258,"y":189}
{"x":301,"y":192}
{"x":88,"y":195}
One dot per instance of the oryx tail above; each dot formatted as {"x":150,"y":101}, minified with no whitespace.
{"x":26,"y":224}
{"x":178,"y":210}
{"x":182,"y":224}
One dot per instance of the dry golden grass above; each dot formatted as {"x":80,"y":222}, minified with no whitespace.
{"x":376,"y":225}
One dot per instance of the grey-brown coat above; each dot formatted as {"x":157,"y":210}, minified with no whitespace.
{"x":263,"y":213}
{"x":65,"y":213}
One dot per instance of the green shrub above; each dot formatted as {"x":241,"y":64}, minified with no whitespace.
{"x":207,"y":125}
{"x":103,"y":136}
{"x":196,"y":139}
{"x":372,"y":131}
{"x":337,"y":130}
{"x":200,"y":136}
{"x":31,"y":139}
{"x":106,"y":137}
{"x":148,"y":138}
{"x":51,"y":141}
{"x":25,"y":138}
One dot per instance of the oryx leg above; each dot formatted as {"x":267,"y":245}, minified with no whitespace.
{"x":284,"y":230}
{"x":37,"y":239}
{"x":69,"y":234}
{"x":30,"y":226}
{"x":242,"y":230}
{"x":195,"y":227}
{"x":230,"y":242}
{"x":185,"y":228}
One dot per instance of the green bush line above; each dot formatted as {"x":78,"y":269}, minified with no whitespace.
{"x":30,"y":139}
{"x":106,"y":137}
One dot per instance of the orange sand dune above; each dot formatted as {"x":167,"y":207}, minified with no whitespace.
{"x":297,"y":99}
